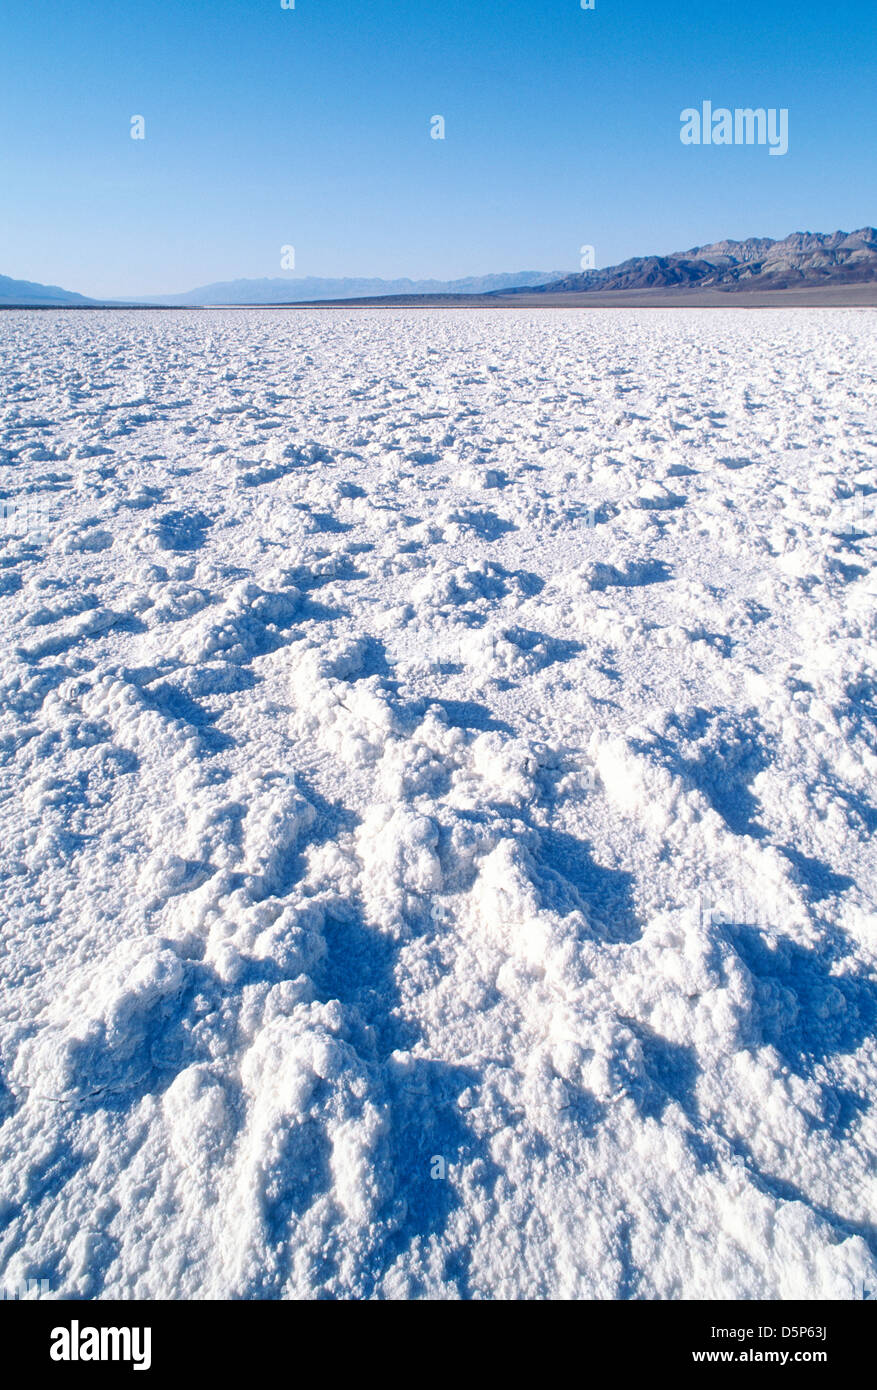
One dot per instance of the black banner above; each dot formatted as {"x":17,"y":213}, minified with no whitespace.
{"x":87,"y":1339}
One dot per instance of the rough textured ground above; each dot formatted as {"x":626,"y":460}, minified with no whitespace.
{"x":438,"y":756}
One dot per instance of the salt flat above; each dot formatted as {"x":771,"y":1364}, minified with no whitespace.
{"x":438,"y":757}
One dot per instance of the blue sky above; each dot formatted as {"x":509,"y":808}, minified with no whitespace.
{"x":311,"y":127}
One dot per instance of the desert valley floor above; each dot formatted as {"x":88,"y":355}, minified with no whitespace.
{"x":438,"y":759}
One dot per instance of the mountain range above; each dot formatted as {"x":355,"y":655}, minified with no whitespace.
{"x":282,"y":291}
{"x":304,"y":291}
{"x":28,"y":292}
{"x":802,"y":260}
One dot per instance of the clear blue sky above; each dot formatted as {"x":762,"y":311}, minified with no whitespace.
{"x":310,"y":127}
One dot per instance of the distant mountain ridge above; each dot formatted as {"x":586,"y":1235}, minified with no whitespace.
{"x":760,"y":263}
{"x":311,"y":288}
{"x":29,"y":292}
{"x":279,"y":290}
{"x":801,"y":260}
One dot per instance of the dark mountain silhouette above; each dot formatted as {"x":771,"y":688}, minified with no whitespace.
{"x":802,"y":259}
